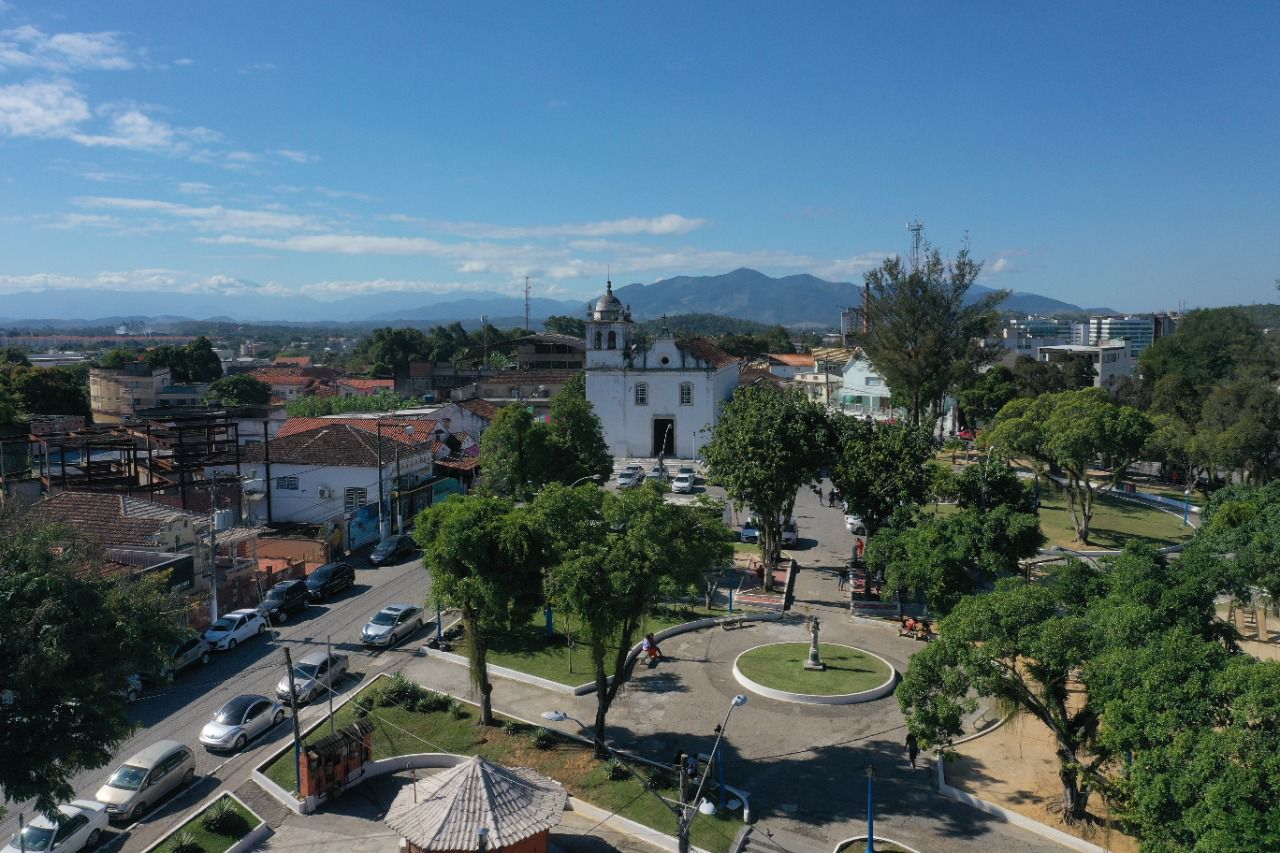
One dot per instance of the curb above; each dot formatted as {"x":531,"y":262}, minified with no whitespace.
{"x":817,"y":698}
{"x":855,"y":839}
{"x":247,"y":842}
{"x":629,"y":826}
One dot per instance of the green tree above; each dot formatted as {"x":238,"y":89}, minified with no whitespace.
{"x":117,"y":358}
{"x":14,"y":356}
{"x":192,"y":362}
{"x":72,"y":636}
{"x":986,"y":394}
{"x":561,"y":325}
{"x":484,"y":559}
{"x":395,"y":348}
{"x":239,"y":389}
{"x":52,"y":391}
{"x":1244,"y":521}
{"x":576,"y":435}
{"x":318,"y":407}
{"x":1072,"y":431}
{"x":9,"y":405}
{"x":1239,"y":428}
{"x":880,"y":468}
{"x":1211,"y":345}
{"x":611,"y":555}
{"x":515,"y":454}
{"x":923,"y":331}
{"x":768,"y":444}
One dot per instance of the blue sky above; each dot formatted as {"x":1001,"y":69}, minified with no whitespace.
{"x":1101,"y":153}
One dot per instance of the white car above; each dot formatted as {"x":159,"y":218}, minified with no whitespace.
{"x":234,"y":628}
{"x":240,"y":721}
{"x":658,"y":472}
{"x":750,"y":530}
{"x":391,"y":624}
{"x":81,"y":830}
{"x":789,"y":535}
{"x":682,"y":484}
{"x":852,"y":522}
{"x":632,"y":475}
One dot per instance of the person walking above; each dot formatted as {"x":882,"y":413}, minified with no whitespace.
{"x":913,"y":749}
{"x":818,"y":492}
{"x":842,"y":579}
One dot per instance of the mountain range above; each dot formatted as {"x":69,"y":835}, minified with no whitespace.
{"x":795,"y":300}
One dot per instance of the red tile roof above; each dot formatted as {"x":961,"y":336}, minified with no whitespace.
{"x":481,"y":408}
{"x":393,"y":428}
{"x":368,"y":384}
{"x":293,"y":360}
{"x":704,"y":350}
{"x":111,"y":520}
{"x":793,"y":359}
{"x":336,"y":443}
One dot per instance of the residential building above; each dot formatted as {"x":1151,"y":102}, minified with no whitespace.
{"x":292,"y":361}
{"x":821,"y":388}
{"x":116,"y":393}
{"x":348,"y":387}
{"x":660,"y":401}
{"x":433,"y":380}
{"x":50,"y":424}
{"x":181,"y":396}
{"x":549,"y":351}
{"x":57,"y":359}
{"x":864,"y":392}
{"x":1111,"y":359}
{"x":533,"y":387}
{"x":787,"y":365}
{"x":288,"y":384}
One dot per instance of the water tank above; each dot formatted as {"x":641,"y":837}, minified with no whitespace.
{"x":223,"y":519}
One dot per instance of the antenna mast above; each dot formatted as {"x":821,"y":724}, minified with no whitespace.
{"x":917,"y":229}
{"x":526,"y":304}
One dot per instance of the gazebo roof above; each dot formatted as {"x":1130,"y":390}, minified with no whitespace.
{"x":512,"y":803}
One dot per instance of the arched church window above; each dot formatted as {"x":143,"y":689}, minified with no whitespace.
{"x":613,"y":340}
{"x":686,"y":393}
{"x":598,"y":339}
{"x":642,"y":393}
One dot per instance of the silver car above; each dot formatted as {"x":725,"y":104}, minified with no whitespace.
{"x":240,"y":721}
{"x":682,"y":484}
{"x":146,"y":779}
{"x":391,"y":624}
{"x":312,"y":675}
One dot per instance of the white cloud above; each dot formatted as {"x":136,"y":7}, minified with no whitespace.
{"x":38,"y":108}
{"x":668,"y":224}
{"x":139,"y":280}
{"x":27,"y":48}
{"x":211,"y":218}
{"x":186,"y":60}
{"x":332,"y":193}
{"x":132,"y":129}
{"x":342,"y":244}
{"x":998,"y":266}
{"x":258,"y":67}
{"x":852,"y":266}
{"x":296,"y":155}
{"x":329,"y":290}
{"x":194,"y":188}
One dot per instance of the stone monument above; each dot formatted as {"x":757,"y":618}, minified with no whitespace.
{"x":815,"y":659}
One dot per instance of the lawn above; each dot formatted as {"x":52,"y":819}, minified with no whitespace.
{"x":529,"y":649}
{"x":398,"y":731}
{"x":211,"y":842}
{"x":781,"y":666}
{"x":1171,"y":492}
{"x":1115,"y":521}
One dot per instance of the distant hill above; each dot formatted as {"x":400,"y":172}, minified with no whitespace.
{"x":795,"y":300}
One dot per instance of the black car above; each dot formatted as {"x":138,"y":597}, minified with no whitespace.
{"x":329,"y":579}
{"x":283,"y":599}
{"x":391,"y":549}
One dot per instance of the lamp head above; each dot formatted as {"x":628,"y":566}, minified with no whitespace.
{"x":739,"y":700}
{"x":555,"y":716}
{"x":706,"y":807}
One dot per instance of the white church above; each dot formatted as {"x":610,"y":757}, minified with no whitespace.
{"x":660,"y":401}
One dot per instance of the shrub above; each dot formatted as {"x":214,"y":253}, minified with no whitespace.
{"x":616,"y":770}
{"x":429,"y":701}
{"x":458,"y":712}
{"x":185,"y":842}
{"x":399,"y":691}
{"x":511,"y":727}
{"x":223,"y":819}
{"x":658,"y":779}
{"x":541,"y":738}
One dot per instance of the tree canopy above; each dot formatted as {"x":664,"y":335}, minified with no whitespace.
{"x":561,"y":325}
{"x":240,"y":389}
{"x":1074,"y":431}
{"x":72,"y":637}
{"x":484,"y":558}
{"x":318,"y":407}
{"x":576,"y":435}
{"x":768,"y":444}
{"x":880,"y":468}
{"x":515,"y":454}
{"x":192,"y":362}
{"x":923,"y":332}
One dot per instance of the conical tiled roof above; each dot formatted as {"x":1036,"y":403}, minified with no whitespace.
{"x":512,"y":803}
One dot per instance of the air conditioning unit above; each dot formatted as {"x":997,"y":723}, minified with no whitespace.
{"x":324,"y":492}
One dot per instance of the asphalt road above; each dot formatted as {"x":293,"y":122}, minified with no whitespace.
{"x":179,"y":710}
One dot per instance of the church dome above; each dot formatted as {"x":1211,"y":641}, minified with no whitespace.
{"x":608,"y":306}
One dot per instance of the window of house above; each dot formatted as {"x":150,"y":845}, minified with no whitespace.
{"x":872,"y":381}
{"x":599,"y":338}
{"x":354,"y":498}
{"x":613,"y":340}
{"x":287,"y":484}
{"x":642,"y":393}
{"x":686,"y":393}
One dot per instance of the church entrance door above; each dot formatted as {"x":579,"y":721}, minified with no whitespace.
{"x":664,"y":437}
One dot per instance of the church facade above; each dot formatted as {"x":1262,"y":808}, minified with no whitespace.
{"x":659,"y":400}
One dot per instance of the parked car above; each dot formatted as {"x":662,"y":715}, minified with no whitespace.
{"x":313,"y":675}
{"x":133,"y":688}
{"x":283,"y":599}
{"x":750,"y":530}
{"x":330,"y":579}
{"x":687,"y":469}
{"x":234,"y":628}
{"x":391,"y":624}
{"x":789,"y":534}
{"x":391,"y":549}
{"x":682,"y":484}
{"x":240,"y":721}
{"x":80,"y":829}
{"x":190,"y":650}
{"x":631,"y":476}
{"x":657,"y":471}
{"x":146,"y":779}
{"x":852,"y":522}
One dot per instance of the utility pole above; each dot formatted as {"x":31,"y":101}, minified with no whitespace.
{"x":213,"y":549}
{"x":484,"y":335}
{"x":526,"y":304}
{"x":917,"y":230}
{"x":297,"y":728}
{"x":328,"y":648}
{"x":266,"y":461}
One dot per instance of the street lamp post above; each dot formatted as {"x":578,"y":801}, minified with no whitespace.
{"x":871,"y":819}
{"x":382,"y":530}
{"x":595,"y":477}
{"x":1186,"y":505}
{"x":686,"y":811}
